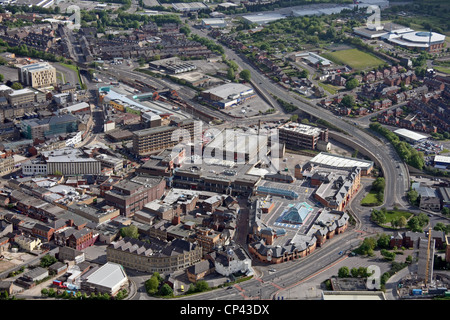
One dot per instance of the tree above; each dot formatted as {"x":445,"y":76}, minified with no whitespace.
{"x":387,"y":254}
{"x":152,"y":285}
{"x":47,"y":261}
{"x":51,"y":292}
{"x":130,"y":232}
{"x":354,"y":271}
{"x":417,"y":223}
{"x":362,"y":272}
{"x":378,"y":216}
{"x":16,"y":86}
{"x":2,"y":77}
{"x":245,"y":75}
{"x":202,"y":286}
{"x":185,"y":30}
{"x":383,"y":241}
{"x":348,"y":101}
{"x":409,"y":259}
{"x":379,"y":184}
{"x":412,"y":196}
{"x":351,"y":84}
{"x":367,"y":246}
{"x":401,"y":222}
{"x":343,"y":272}
{"x":166,"y":290}
{"x":230,"y":74}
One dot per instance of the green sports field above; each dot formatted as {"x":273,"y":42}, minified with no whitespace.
{"x":355,"y":58}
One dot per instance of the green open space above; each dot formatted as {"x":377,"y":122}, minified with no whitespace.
{"x":370,"y":199}
{"x":355,"y":58}
{"x":392,"y":215}
{"x":328,"y":87}
{"x":442,"y":69}
{"x":74,"y":68}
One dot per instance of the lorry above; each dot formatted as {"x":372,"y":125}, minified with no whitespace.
{"x":59,"y":284}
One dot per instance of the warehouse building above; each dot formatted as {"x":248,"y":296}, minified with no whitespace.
{"x":23,"y":96}
{"x":263,"y":18}
{"x":189,"y":7}
{"x":173,"y":65}
{"x":329,"y":160}
{"x":442,"y":162}
{"x":374,"y":32}
{"x":109,"y":278}
{"x":214,"y":23}
{"x":410,"y":136}
{"x":228,"y":95}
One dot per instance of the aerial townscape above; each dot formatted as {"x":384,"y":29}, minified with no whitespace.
{"x":224,"y":150}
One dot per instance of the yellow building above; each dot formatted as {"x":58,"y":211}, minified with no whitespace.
{"x":28,"y":244}
{"x":38,"y":75}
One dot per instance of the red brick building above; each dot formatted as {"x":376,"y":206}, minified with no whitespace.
{"x":82,"y":239}
{"x":131,"y":195}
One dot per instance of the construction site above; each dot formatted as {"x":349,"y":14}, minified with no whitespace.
{"x":423,"y":282}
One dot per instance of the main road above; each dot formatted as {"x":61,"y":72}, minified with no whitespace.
{"x":268,"y":285}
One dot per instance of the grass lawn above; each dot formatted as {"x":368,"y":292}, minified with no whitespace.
{"x":355,"y":58}
{"x":395,"y":214}
{"x":70,"y":66}
{"x":60,"y":76}
{"x":370,"y":199}
{"x":328,"y":87}
{"x":442,"y":69}
{"x":74,"y":68}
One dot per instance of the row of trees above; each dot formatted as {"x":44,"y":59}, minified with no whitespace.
{"x":52,"y":293}
{"x":345,"y":272}
{"x":125,"y":20}
{"x":29,"y":9}
{"x":24,"y":50}
{"x":210,"y":44}
{"x":378,"y":186}
{"x":406,"y":152}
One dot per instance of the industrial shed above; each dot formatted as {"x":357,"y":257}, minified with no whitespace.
{"x":109,"y":278}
